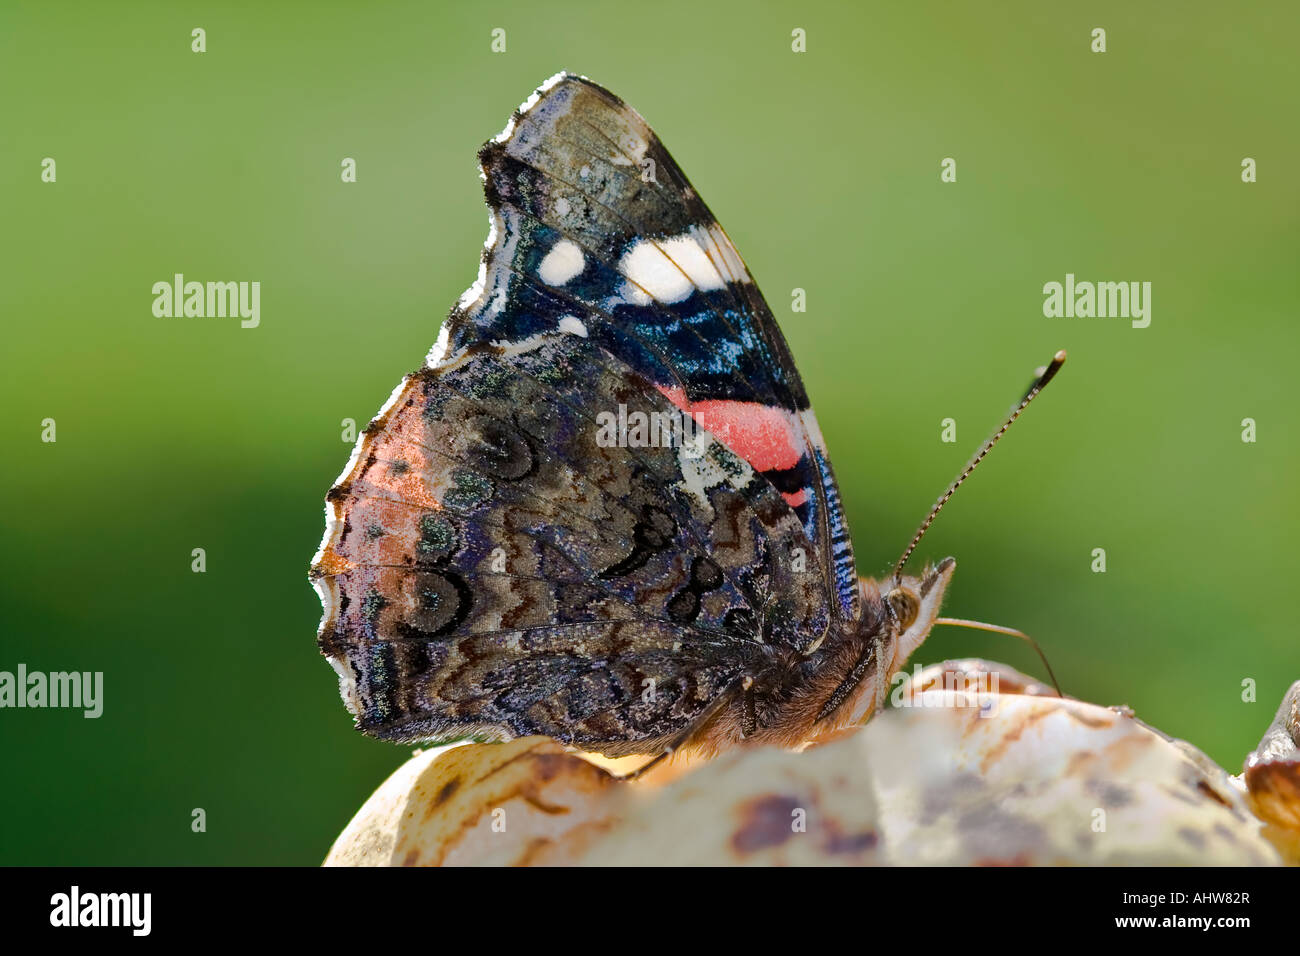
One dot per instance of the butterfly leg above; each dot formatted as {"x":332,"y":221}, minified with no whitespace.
{"x":652,"y":762}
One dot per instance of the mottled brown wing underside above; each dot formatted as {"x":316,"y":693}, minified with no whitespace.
{"x":495,"y":566}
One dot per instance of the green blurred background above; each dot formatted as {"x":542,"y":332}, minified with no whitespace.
{"x":924,"y":302}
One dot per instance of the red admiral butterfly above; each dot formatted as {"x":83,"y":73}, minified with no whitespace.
{"x":501,"y":560}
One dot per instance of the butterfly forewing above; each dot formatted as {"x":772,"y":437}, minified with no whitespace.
{"x":593,"y":220}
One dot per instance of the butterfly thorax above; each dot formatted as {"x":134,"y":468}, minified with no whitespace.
{"x":845,"y":678}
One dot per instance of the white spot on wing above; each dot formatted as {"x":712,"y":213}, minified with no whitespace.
{"x":562,"y":263}
{"x":573,"y":325}
{"x":669,"y":270}
{"x":511,"y":349}
{"x":627,"y":292}
{"x":703,"y":463}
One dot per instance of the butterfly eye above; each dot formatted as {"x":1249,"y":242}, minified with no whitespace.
{"x":905,"y":605}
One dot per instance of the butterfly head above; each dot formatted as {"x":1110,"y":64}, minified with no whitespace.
{"x":912,"y":603}
{"x":905,"y":607}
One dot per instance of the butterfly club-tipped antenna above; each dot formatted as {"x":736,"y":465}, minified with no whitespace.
{"x":1041,"y":377}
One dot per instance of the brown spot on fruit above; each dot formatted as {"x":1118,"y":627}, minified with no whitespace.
{"x":444,"y":794}
{"x":765,"y":822}
{"x":537,"y":803}
{"x":852,"y":843}
{"x":1210,"y":792}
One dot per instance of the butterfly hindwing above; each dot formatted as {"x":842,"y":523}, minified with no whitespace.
{"x":496,"y":565}
{"x":593,"y":222}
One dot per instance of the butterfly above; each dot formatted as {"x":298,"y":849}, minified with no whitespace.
{"x":602,"y":510}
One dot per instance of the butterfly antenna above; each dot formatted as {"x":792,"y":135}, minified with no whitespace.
{"x":1041,"y":377}
{"x":1010,"y":632}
